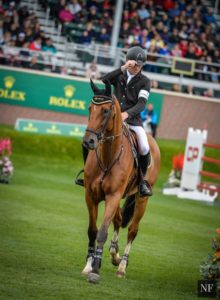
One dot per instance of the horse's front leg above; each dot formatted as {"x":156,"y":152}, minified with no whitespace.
{"x":140,"y":207}
{"x":114,"y":249}
{"x":111,"y":205}
{"x":92,"y":233}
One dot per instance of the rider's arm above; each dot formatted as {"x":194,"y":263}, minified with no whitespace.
{"x":112,"y":77}
{"x":142,"y":99}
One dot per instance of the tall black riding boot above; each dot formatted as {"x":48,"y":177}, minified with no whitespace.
{"x":80,"y":181}
{"x":144,"y":186}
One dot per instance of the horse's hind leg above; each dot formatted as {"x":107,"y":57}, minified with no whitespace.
{"x":140,"y":206}
{"x":92,"y":233}
{"x":114,"y":249}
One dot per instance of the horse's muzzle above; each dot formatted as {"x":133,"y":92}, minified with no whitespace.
{"x":90,"y":142}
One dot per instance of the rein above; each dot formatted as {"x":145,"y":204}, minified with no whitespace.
{"x":107,"y":169}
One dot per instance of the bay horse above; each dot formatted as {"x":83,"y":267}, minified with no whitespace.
{"x":110,"y":174}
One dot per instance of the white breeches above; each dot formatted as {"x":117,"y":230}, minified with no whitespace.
{"x":142,"y":140}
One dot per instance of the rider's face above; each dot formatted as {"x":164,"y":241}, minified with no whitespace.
{"x":134,"y":70}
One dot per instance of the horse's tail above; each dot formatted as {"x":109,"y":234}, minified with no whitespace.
{"x":127,"y":210}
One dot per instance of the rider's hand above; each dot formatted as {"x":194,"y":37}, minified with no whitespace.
{"x":128,"y":65}
{"x":124,"y":116}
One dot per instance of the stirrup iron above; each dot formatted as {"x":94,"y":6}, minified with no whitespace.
{"x":79,"y":181}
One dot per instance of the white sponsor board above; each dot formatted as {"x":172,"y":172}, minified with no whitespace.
{"x":194,"y":152}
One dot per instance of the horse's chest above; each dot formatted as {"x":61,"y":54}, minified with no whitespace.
{"x":101,"y":187}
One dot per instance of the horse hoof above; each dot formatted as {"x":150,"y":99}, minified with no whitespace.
{"x":93,"y":278}
{"x":116,"y":261}
{"x":120,"y":274}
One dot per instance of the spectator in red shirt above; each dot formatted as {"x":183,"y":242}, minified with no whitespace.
{"x":36,"y":45}
{"x":184,"y":47}
{"x":176,"y":51}
{"x":198,"y":51}
{"x":168,"y":4}
{"x":106,"y":5}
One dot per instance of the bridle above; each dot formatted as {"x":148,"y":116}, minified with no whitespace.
{"x":100,"y":134}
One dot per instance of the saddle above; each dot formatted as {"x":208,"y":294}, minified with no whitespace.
{"x":131,"y":136}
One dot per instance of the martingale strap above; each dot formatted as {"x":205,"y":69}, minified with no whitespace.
{"x":108,"y":169}
{"x":101,"y":100}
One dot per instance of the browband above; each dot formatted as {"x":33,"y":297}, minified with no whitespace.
{"x":101,"y":99}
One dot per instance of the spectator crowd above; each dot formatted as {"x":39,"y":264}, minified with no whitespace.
{"x":19,"y":27}
{"x":180,"y":28}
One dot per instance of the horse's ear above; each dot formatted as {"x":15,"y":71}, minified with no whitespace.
{"x":108,"y":88}
{"x":94,"y":87}
{"x":115,"y":98}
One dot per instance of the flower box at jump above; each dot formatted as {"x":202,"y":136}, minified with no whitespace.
{"x":6,"y":167}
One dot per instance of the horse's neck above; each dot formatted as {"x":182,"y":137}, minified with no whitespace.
{"x":111,"y":148}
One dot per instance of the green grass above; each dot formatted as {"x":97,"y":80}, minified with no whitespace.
{"x":43,"y":225}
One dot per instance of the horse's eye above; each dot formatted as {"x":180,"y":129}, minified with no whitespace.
{"x":105,"y":111}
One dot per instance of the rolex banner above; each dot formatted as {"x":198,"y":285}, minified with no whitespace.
{"x":44,"y":92}
{"x":51,"y":91}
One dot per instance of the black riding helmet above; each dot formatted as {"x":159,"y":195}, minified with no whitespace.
{"x":138,"y":54}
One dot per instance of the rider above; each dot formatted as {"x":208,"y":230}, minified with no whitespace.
{"x":132,"y":90}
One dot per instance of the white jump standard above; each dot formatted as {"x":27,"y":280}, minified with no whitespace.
{"x":191,"y":186}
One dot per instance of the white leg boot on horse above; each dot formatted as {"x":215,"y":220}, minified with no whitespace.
{"x":92,"y":233}
{"x":114,"y":250}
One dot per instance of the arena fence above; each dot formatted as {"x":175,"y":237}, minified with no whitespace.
{"x":78,"y":57}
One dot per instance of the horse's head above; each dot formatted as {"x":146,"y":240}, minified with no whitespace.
{"x":101,"y":116}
